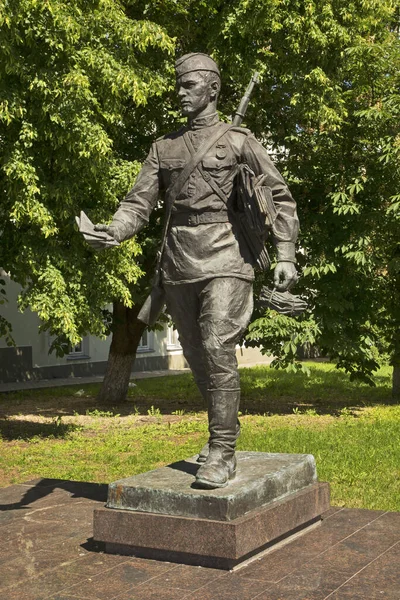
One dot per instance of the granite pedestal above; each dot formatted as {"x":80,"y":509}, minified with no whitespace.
{"x":161,"y":514}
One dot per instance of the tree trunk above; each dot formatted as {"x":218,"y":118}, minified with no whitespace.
{"x":127,"y":331}
{"x":396,"y":382}
{"x":396,"y":365}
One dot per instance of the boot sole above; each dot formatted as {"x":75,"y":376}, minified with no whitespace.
{"x":211,"y":485}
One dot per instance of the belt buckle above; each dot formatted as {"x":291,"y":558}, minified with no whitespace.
{"x":193,"y":220}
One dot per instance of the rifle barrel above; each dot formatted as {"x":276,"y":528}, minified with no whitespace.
{"x":244,"y":103}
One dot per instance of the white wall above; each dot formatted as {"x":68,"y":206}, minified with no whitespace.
{"x":94,"y":350}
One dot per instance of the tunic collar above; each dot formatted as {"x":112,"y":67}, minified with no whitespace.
{"x":207,"y":121}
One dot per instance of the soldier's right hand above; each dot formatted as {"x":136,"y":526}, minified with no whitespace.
{"x":97,"y":236}
{"x":106,"y":228}
{"x":116,"y":231}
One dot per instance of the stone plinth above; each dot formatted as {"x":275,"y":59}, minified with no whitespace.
{"x":161,"y":515}
{"x":261,"y":478}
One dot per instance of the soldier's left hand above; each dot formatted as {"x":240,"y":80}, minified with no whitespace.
{"x":285,"y":276}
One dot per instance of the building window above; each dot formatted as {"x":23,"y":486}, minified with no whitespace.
{"x":144,"y":344}
{"x":80,"y":350}
{"x":77,"y":349}
{"x":144,"y":341}
{"x":173,"y":339}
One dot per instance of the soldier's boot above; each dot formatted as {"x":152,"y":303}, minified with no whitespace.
{"x":220,"y":464}
{"x":202,"y":457}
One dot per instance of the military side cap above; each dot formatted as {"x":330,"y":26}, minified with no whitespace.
{"x":196,"y":61}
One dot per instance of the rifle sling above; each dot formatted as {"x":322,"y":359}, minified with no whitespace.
{"x":206,"y":176}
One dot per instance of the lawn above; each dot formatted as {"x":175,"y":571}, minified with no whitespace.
{"x":352,"y":430}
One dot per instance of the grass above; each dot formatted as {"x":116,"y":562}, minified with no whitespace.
{"x":352,"y":430}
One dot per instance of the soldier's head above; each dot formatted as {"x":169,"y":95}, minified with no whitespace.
{"x":198,"y":84}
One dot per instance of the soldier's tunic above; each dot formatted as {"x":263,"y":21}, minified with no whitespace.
{"x":207,"y":268}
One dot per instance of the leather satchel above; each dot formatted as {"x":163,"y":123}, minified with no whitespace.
{"x":256,"y":212}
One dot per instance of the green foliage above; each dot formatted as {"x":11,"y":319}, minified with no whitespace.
{"x":76,"y":78}
{"x":154,"y":412}
{"x":341,"y":160}
{"x":281,"y":336}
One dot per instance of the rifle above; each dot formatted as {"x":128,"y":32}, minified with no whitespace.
{"x":256,"y":210}
{"x":244,"y":103}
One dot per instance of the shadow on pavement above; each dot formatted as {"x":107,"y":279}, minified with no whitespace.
{"x":44,"y":487}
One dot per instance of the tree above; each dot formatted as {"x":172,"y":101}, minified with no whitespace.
{"x":328,"y":106}
{"x":342,"y":160}
{"x":79,"y":84}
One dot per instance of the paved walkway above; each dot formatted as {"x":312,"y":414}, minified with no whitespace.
{"x":59,"y":382}
{"x":47,"y":552}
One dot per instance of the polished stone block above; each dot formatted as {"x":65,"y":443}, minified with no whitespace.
{"x":261,"y":478}
{"x":220,"y":544}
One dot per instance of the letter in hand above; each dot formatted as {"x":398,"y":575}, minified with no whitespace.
{"x":285,"y":276}
{"x":97,"y":236}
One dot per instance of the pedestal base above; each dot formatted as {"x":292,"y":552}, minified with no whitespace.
{"x":213,"y":542}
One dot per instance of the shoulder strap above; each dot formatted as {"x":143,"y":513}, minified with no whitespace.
{"x":206,"y":176}
{"x":174,"y":190}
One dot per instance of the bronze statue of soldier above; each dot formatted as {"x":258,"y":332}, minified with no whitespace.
{"x":206,"y":266}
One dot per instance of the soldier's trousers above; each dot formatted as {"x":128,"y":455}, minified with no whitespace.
{"x":211,"y":316}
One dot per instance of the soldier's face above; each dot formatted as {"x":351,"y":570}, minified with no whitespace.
{"x":194,"y":93}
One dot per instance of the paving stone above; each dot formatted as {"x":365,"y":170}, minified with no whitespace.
{"x":30,"y":565}
{"x":119,"y":579}
{"x":332,"y":511}
{"x":363,"y":592}
{"x":352,"y":519}
{"x":8,"y":552}
{"x":93,"y":564}
{"x":276,"y":565}
{"x":389,"y":521}
{"x":7,"y":516}
{"x":66,"y":596}
{"x":357,"y":551}
{"x":383,"y":572}
{"x":153,"y":592}
{"x":274,"y":593}
{"x":316,"y":582}
{"x":40,"y":588}
{"x":230,"y":587}
{"x":188,"y":577}
{"x":74,"y":547}
{"x":39,"y":492}
{"x":83,"y":513}
{"x":310,"y":547}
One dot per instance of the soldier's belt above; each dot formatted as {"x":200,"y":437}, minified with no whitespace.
{"x":194,"y":219}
